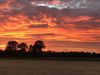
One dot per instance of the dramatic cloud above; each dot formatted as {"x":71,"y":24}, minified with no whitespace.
{"x":63,"y":24}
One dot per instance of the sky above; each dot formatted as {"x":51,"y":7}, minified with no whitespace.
{"x":64,"y":25}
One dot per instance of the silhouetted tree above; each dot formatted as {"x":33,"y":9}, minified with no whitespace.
{"x":36,"y":50}
{"x":38,"y":46}
{"x":11,"y":46}
{"x":30,"y":48}
{"x":22,"y":47}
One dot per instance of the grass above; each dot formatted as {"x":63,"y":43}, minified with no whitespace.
{"x":48,"y":67}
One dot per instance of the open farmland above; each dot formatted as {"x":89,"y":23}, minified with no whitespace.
{"x":48,"y":67}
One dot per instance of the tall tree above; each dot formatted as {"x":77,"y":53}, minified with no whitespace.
{"x":11,"y":46}
{"x":30,"y":48}
{"x":39,"y":45}
{"x":22,"y":46}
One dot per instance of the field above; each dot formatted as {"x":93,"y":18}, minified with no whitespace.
{"x":48,"y":67}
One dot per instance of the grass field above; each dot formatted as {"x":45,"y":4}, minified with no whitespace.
{"x":48,"y":67}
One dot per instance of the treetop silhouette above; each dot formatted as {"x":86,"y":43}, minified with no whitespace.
{"x":15,"y":49}
{"x":11,"y":45}
{"x":39,"y":45}
{"x":22,"y":46}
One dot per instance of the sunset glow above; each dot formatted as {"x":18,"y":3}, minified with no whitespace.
{"x":63,"y":29}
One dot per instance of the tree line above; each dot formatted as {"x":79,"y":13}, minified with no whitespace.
{"x":15,"y":49}
{"x":22,"y":50}
{"x":22,"y":47}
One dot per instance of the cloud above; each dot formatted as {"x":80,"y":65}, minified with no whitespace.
{"x":23,"y":20}
{"x":71,"y":4}
{"x":39,"y":26}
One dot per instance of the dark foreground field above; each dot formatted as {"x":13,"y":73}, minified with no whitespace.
{"x":48,"y":67}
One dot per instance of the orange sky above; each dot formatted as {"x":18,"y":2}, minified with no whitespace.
{"x":62,"y":30}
